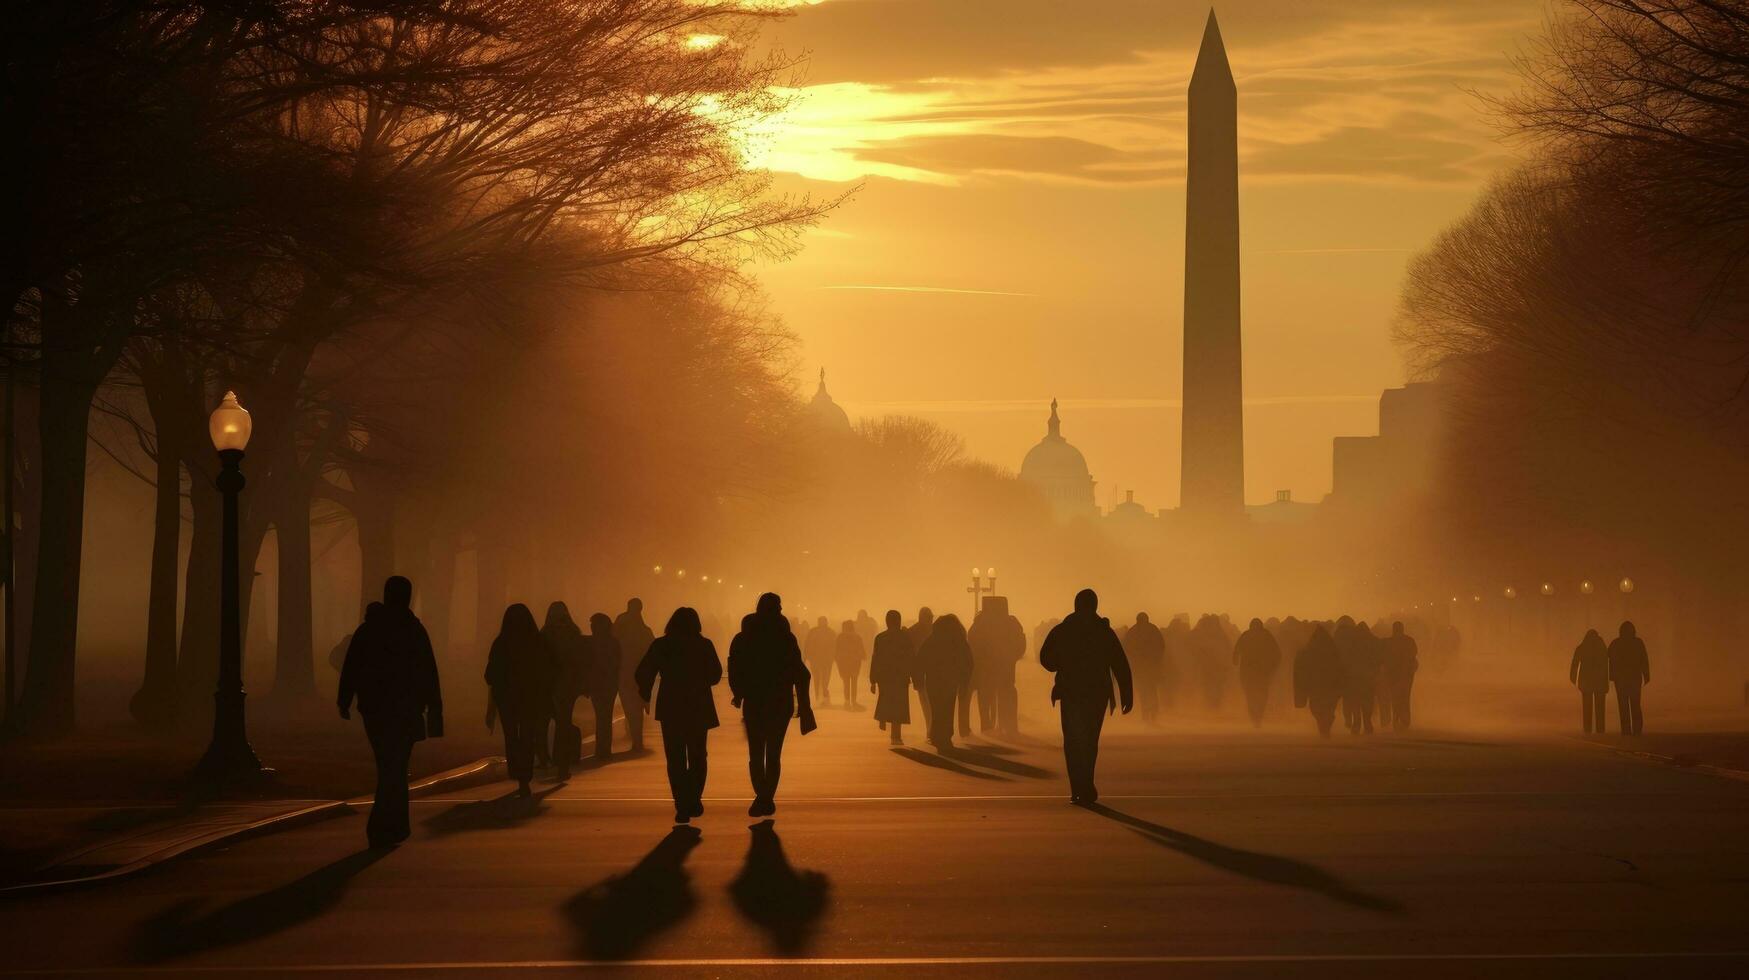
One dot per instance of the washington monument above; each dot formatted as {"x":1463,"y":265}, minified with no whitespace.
{"x":1213,"y":486}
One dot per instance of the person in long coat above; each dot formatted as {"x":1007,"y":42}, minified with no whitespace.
{"x":1146,"y":649}
{"x":390,"y":668}
{"x":917,"y":633}
{"x":632,"y":636}
{"x":1589,"y":672}
{"x":1630,"y":669}
{"x":519,"y":670}
{"x":687,"y":665}
{"x":998,"y":644}
{"x":819,"y":650}
{"x":603,"y":684}
{"x":848,"y":654}
{"x":1257,"y":657}
{"x":1087,"y":657}
{"x":1319,"y":679}
{"x":1402,"y":658}
{"x":889,"y":677}
{"x":944,"y":668}
{"x":1360,"y":664}
{"x":570,"y":681}
{"x":769,"y":683}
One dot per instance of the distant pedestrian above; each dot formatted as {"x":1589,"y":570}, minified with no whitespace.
{"x":687,"y":665}
{"x":1258,"y":657}
{"x":632,"y":637}
{"x":848,"y":654}
{"x":1589,"y":672}
{"x":820,"y":649}
{"x":1146,"y":650}
{"x":998,"y":644}
{"x":1631,"y":669}
{"x":944,"y":669}
{"x":769,"y":683}
{"x":1402,"y":658}
{"x":519,"y":671}
{"x":1086,"y":656}
{"x":1319,"y":679}
{"x":604,"y":675}
{"x":889,"y":677}
{"x":391,"y":670}
{"x":918,"y":632}
{"x":570,"y":651}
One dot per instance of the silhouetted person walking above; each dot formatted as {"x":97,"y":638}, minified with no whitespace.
{"x":570,"y":681}
{"x":605,"y":671}
{"x":918,"y":632}
{"x":847,"y":658}
{"x":1360,"y":667}
{"x":1319,"y":679}
{"x":1258,"y":657}
{"x":770,"y":684}
{"x":1631,"y":669}
{"x":889,"y":677}
{"x":944,"y":669}
{"x":686,"y":663}
{"x":1086,"y":656}
{"x":519,"y":671}
{"x":633,"y":637}
{"x":1402,"y":658}
{"x":392,"y":672}
{"x":1589,"y":672}
{"x":1146,"y":650}
{"x":821,"y":647}
{"x":998,"y":643}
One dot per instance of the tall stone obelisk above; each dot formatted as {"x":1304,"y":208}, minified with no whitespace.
{"x":1213,"y":479}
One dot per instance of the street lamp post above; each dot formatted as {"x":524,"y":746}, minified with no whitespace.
{"x":1626,"y":585}
{"x":228,"y":757}
{"x":978,"y":589}
{"x":1509,"y":593}
{"x":1548,"y":593}
{"x":1585,"y":589}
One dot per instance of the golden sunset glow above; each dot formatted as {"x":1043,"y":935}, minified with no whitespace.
{"x":1021,"y":208}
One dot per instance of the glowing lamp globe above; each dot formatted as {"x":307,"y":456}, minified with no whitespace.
{"x":977,"y":572}
{"x":229,"y":424}
{"x":1586,"y":588}
{"x":1510,"y":593}
{"x":1548,"y":588}
{"x":1626,"y":585}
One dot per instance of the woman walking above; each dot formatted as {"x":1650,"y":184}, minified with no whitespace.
{"x":770,"y":684}
{"x":944,"y":669}
{"x":519,"y":671}
{"x":889,"y":677}
{"x":688,"y":667}
{"x":570,"y":666}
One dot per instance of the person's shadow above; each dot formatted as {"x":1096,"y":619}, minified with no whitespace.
{"x":179,"y":931}
{"x":773,"y":895}
{"x":939,"y":761}
{"x":1270,"y":868}
{"x":500,"y":813}
{"x":615,"y":917}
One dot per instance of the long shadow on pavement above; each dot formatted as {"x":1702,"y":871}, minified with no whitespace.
{"x":978,"y":757}
{"x":1270,"y":868}
{"x":499,"y":813}
{"x":772,"y":894}
{"x":616,"y":917}
{"x":941,"y":762}
{"x":180,"y":931}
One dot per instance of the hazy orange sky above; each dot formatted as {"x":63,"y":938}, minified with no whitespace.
{"x":1019,"y":231}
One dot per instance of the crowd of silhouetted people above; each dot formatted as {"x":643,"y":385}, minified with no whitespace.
{"x":778,"y":669}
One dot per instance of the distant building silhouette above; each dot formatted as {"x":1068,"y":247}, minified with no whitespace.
{"x":825,"y":414}
{"x":1060,"y":471}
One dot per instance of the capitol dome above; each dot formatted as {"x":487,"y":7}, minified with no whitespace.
{"x":827,"y":415}
{"x":1059,"y":470}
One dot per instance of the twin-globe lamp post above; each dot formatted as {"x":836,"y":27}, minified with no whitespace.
{"x":979,"y":589}
{"x":228,"y":757}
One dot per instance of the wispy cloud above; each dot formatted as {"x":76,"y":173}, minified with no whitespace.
{"x":1031,"y":405}
{"x":927,"y":289}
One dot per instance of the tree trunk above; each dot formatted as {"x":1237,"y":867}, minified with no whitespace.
{"x":154,"y":704}
{"x":489,"y":600}
{"x":197,"y":663}
{"x":63,"y":425}
{"x":294,"y":671}
{"x":375,"y":516}
{"x":438,"y":590}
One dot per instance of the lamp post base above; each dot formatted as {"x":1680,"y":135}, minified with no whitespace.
{"x":229,"y":759}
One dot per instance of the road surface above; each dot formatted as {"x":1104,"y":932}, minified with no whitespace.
{"x":1222,"y":854}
